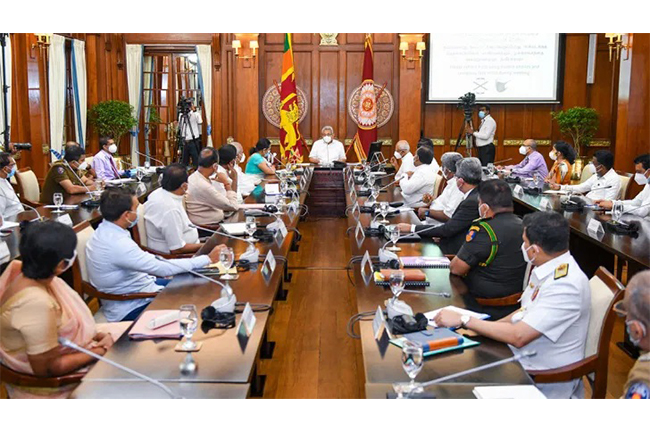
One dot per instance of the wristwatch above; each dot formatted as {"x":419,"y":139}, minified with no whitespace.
{"x":464,"y":319}
{"x":426,"y":213}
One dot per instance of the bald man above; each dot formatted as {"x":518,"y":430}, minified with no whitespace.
{"x":532,"y":164}
{"x":403,"y":158}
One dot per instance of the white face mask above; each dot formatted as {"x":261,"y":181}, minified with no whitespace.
{"x":480,"y":214}
{"x":524,"y":251}
{"x":397,"y":155}
{"x":327,"y":139}
{"x":112,"y":148}
{"x":242,"y":158}
{"x":640,"y":178}
{"x":83,"y":166}
{"x":552,"y":155}
{"x":70,"y":262}
{"x":591,"y":167}
{"x":522,"y":150}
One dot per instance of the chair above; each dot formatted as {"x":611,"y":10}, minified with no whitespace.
{"x":28,"y":187}
{"x":586,"y":173}
{"x":606,"y":290}
{"x":625,"y":184}
{"x":140,"y":237}
{"x":437,"y":186}
{"x":15,"y":378}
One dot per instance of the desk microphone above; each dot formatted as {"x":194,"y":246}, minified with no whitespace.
{"x":39,"y":217}
{"x":149,"y":157}
{"x":526,"y":354}
{"x":67,"y":343}
{"x":78,"y":178}
{"x":251,"y":254}
{"x":635,"y":208}
{"x":502,"y":161}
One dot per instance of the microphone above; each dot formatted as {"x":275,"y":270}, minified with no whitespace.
{"x":39,"y":217}
{"x":67,"y":343}
{"x":601,"y":187}
{"x":196,"y":274}
{"x":502,"y":161}
{"x":78,"y":178}
{"x":526,"y":354}
{"x":251,"y":254}
{"x":149,"y":157}
{"x":275,"y":158}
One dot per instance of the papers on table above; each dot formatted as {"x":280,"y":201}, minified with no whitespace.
{"x":272,"y":189}
{"x":558,"y":192}
{"x":62,"y":207}
{"x":119,"y":181}
{"x":425,"y":262}
{"x":142,"y":328}
{"x":527,"y":392}
{"x":431,"y":314}
{"x":6,"y":225}
{"x":234,"y":229}
{"x":251,"y":206}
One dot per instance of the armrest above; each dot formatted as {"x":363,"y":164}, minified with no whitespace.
{"x":93,"y":292}
{"x":167,"y":255}
{"x":22,"y":379}
{"x":568,"y":372}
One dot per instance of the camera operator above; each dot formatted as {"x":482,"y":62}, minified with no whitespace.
{"x":485,"y":135}
{"x":190,"y":131}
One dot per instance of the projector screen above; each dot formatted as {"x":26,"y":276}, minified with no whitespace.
{"x":497,"y":67}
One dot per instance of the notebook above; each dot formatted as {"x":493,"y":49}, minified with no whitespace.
{"x":522,"y":392}
{"x":142,"y":331}
{"x":234,"y":229}
{"x":425,"y":262}
{"x":412,"y":278}
{"x":434,"y":339}
{"x":431,"y":314}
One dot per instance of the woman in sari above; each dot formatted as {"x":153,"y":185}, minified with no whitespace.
{"x":563,"y":156}
{"x":37,"y":307}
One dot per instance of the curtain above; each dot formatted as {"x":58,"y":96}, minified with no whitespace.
{"x":204,"y":53}
{"x":134,"y":60}
{"x":56,"y":85}
{"x":148,"y":98}
{"x":78,"y":68}
{"x":5,"y":64}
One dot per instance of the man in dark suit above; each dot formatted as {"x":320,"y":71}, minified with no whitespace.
{"x":452,"y":233}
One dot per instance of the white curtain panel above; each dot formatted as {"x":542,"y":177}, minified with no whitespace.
{"x":79,"y":89}
{"x":134,"y":60}
{"x":7,"y":69}
{"x":56,"y":85}
{"x":204,"y":53}
{"x":148,"y":98}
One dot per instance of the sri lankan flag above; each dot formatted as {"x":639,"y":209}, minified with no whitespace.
{"x":367,"y":117}
{"x":291,"y":141}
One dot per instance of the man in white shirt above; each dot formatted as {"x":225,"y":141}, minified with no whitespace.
{"x":9,"y":203}
{"x":116,"y":264}
{"x":404,"y":158}
{"x":420,"y":181}
{"x":485,"y":135}
{"x":246,"y":183}
{"x":167,"y":223}
{"x":555,"y":307}
{"x":327,"y":150}
{"x":443,"y":207}
{"x":191,"y":132}
{"x":605,"y":185}
{"x":639,"y":205}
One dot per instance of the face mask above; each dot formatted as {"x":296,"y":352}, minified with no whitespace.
{"x":112,"y":148}
{"x":70,"y":262}
{"x":134,"y":222}
{"x":552,"y":155}
{"x":397,"y":155}
{"x":639,"y":178}
{"x":632,"y":340}
{"x":522,"y":150}
{"x":524,"y":251}
{"x":592,"y":168}
{"x":242,"y":158}
{"x":82,"y":166}
{"x":327,"y":139}
{"x":480,"y":214}
{"x":12,"y":172}
{"x":481,"y":114}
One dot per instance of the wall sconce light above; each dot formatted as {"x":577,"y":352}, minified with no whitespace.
{"x":420,"y":47}
{"x":253,"y":45}
{"x":43,"y":39}
{"x":616,"y":44}
{"x":403,"y":47}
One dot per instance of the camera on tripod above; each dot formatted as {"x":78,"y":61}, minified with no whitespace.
{"x":185,"y":105}
{"x":467,"y":103}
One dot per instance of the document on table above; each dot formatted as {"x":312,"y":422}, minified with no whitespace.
{"x":431,"y":314}
{"x":6,"y":225}
{"x":251,"y":206}
{"x":521,"y":392}
{"x":557,"y":192}
{"x":234,"y":229}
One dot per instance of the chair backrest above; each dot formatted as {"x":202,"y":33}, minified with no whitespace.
{"x":586,"y":173}
{"x":437,"y":186}
{"x":625,"y":184}
{"x":140,"y":229}
{"x":15,"y":378}
{"x":28,"y":185}
{"x":84,"y":232}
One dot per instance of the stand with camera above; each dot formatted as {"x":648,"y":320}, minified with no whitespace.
{"x":5,"y":91}
{"x":184,"y":107}
{"x":467,"y":103}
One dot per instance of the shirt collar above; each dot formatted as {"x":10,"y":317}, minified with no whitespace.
{"x":544,"y":270}
{"x":465,"y":195}
{"x":172,"y":196}
{"x":422,"y":167}
{"x":114,"y":227}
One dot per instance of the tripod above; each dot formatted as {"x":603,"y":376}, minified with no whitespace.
{"x":183,"y":123}
{"x":5,"y":91}
{"x":469,"y":138}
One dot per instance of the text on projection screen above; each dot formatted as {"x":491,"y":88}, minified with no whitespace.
{"x":508,"y":67}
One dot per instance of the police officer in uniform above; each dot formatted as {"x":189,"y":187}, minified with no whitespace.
{"x":554,"y":314}
{"x":636,"y":309}
{"x":62,"y":179}
{"x":490,"y":261}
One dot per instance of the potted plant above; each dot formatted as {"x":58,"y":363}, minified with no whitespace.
{"x":113,"y":118}
{"x":581,"y":124}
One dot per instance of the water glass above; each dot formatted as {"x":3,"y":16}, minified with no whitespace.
{"x":57,"y":198}
{"x":394,"y":233}
{"x":490,"y":168}
{"x":251,"y":226}
{"x":189,"y":321}
{"x":139,"y":174}
{"x":383,"y":209}
{"x":227,"y":259}
{"x":396,"y":281}
{"x":412,"y":362}
{"x":617,"y":211}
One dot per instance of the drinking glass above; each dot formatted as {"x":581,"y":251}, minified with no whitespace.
{"x":147,"y":164}
{"x":227,"y":258}
{"x":412,"y":361}
{"x":396,"y":281}
{"x":383,"y":210}
{"x":58,"y":201}
{"x":189,"y":320}
{"x":139,"y":174}
{"x":490,"y":168}
{"x":394,"y":233}
{"x":251,"y":226}
{"x":617,"y":211}
{"x":374,"y":193}
{"x":536,"y":180}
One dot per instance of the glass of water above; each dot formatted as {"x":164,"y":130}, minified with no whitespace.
{"x":57,"y":198}
{"x":189,"y":321}
{"x":393,"y":231}
{"x":251,"y":226}
{"x":374,"y":193}
{"x":396,"y":281}
{"x":490,"y":168}
{"x":617,"y":211}
{"x":412,"y":362}
{"x":139,"y":174}
{"x":227,"y":259}
{"x":383,"y":210}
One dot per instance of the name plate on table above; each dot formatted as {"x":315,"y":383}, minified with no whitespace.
{"x":595,"y":227}
{"x":281,"y":233}
{"x":359,"y":233}
{"x":268,"y":267}
{"x":353,"y":194}
{"x":303,"y":181}
{"x":544,"y":204}
{"x":351,"y":183}
{"x":292,"y":210}
{"x":65,"y":219}
{"x":356,"y":211}
{"x":518,"y":190}
{"x":366,"y":267}
{"x":247,"y":322}
{"x":378,"y":323}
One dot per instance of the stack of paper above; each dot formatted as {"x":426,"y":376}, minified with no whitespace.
{"x":525,"y":392}
{"x":142,"y":328}
{"x":234,"y":229}
{"x":431,"y":314}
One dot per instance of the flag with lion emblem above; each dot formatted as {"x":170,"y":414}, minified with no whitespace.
{"x":291,"y":141}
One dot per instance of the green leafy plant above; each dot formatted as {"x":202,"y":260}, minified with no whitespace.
{"x":580,"y":123}
{"x":154,"y":117}
{"x":114,"y":118}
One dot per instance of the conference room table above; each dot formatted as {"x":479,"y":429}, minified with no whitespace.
{"x":226,"y":356}
{"x":381,"y":359}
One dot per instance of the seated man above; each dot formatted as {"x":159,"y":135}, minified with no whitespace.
{"x":604,"y":185}
{"x":245,"y":182}
{"x":444,"y":206}
{"x":490,"y":261}
{"x":533,"y":163}
{"x":226,"y":174}
{"x":636,"y":308}
{"x":639,"y":205}
{"x":404,"y":158}
{"x":206,"y":204}
{"x":327,"y":150}
{"x":468,"y":177}
{"x":103,"y":162}
{"x":10,"y":205}
{"x":117,"y":265}
{"x":420,"y":181}
{"x":167,"y":223}
{"x":554,"y":315}
{"x":63,"y":176}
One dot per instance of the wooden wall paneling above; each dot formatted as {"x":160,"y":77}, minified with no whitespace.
{"x":20,"y":127}
{"x":246,"y":96}
{"x":328,"y":93}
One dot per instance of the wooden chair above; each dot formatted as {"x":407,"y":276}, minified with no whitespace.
{"x":140,"y":237}
{"x":606,"y":290}
{"x":437,"y":186}
{"x":12,"y":377}
{"x":625,"y":184}
{"x":28,"y":188}
{"x":586,"y":173}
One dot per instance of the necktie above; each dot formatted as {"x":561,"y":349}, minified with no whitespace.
{"x":114,"y":167}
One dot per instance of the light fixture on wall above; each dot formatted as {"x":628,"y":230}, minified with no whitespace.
{"x":252,"y":45}
{"x":616,"y":44}
{"x":43,"y":39}
{"x":405,"y":45}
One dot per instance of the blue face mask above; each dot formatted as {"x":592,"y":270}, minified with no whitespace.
{"x":481,"y":114}
{"x":12,"y":172}
{"x":133,"y":223}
